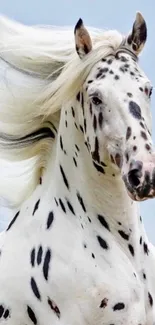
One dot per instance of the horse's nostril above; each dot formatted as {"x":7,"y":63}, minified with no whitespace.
{"x":133,"y":177}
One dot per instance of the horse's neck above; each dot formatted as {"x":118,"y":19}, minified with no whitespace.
{"x":73,"y":177}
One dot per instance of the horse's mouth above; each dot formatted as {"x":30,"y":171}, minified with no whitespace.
{"x":141,"y":192}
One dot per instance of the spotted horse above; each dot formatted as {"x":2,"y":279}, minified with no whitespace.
{"x":76,"y":129}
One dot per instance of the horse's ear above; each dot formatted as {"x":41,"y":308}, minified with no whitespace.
{"x":82,"y":39}
{"x":136,"y":40}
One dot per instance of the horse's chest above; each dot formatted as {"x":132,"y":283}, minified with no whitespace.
{"x":108,"y":300}
{"x":102,"y":289}
{"x":83,"y":289}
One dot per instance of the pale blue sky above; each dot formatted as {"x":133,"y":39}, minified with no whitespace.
{"x":118,"y":15}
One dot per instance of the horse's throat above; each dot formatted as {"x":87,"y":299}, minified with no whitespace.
{"x":75,"y":178}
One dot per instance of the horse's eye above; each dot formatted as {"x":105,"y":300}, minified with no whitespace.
{"x":96,"y":101}
{"x":148,"y":91}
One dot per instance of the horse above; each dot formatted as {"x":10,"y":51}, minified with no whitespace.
{"x":76,"y":157}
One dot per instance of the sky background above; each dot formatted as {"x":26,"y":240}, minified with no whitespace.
{"x":113,"y":14}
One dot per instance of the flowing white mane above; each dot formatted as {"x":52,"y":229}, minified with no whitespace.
{"x":40,"y":70}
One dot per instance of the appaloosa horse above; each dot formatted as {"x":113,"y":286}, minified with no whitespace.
{"x":76,"y":128}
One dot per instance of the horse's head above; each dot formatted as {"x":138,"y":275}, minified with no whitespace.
{"x":116,"y":110}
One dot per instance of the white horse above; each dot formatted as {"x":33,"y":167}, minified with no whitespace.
{"x":76,"y":154}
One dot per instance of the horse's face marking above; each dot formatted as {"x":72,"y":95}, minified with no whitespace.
{"x":117,"y":111}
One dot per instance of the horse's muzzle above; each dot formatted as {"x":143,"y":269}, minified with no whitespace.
{"x":140,"y":180}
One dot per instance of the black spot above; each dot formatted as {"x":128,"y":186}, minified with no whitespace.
{"x":93,"y":256}
{"x":81,"y":201}
{"x":122,"y":69}
{"x":147,"y":146}
{"x":123,"y":234}
{"x":70,"y":207}
{"x":62,"y":205}
{"x":77,"y":147}
{"x":103,"y":164}
{"x":46,"y":264}
{"x":64,"y":177}
{"x":123,"y":59}
{"x":82,"y":102}
{"x":1,"y":310}
{"x":105,"y":69}
{"x":36,"y":207}
{"x":143,"y":134}
{"x":132,"y":73}
{"x":118,"y":160}
{"x":54,"y":307}
{"x":141,"y":89}
{"x":140,"y":241}
{"x":95,"y":154}
{"x":101,"y":72}
{"x":135,"y":110}
{"x":116,"y":77}
{"x":145,"y":247}
{"x":103,"y":222}
{"x":127,"y":156}
{"x":90,"y":108}
{"x":119,"y":306}
{"x":89,"y":219}
{"x":6,"y":314}
{"x":111,"y":72}
{"x":98,"y":168}
{"x":35,"y":289}
{"x":73,"y":113}
{"x":131,"y":249}
{"x":134,"y":148}
{"x":75,"y":162}
{"x":126,"y":65}
{"x":85,"y":125}
{"x":81,"y":128}
{"x":144,"y":276}
{"x":32,"y":257}
{"x":129,"y":95}
{"x":66,"y":123}
{"x":95,"y":123}
{"x":109,"y":61}
{"x":142,"y":125}
{"x":100,"y":120}
{"x":56,"y":201}
{"x":31,"y":315}
{"x":61,"y":143}
{"x":50,"y":219}
{"x":150,"y":299}
{"x":102,"y":242}
{"x":13,"y":220}
{"x":104,"y":303}
{"x":39,"y":255}
{"x":90,"y":81}
{"x":40,"y":180}
{"x":128,"y":133}
{"x":76,"y":125}
{"x":78,"y":97}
